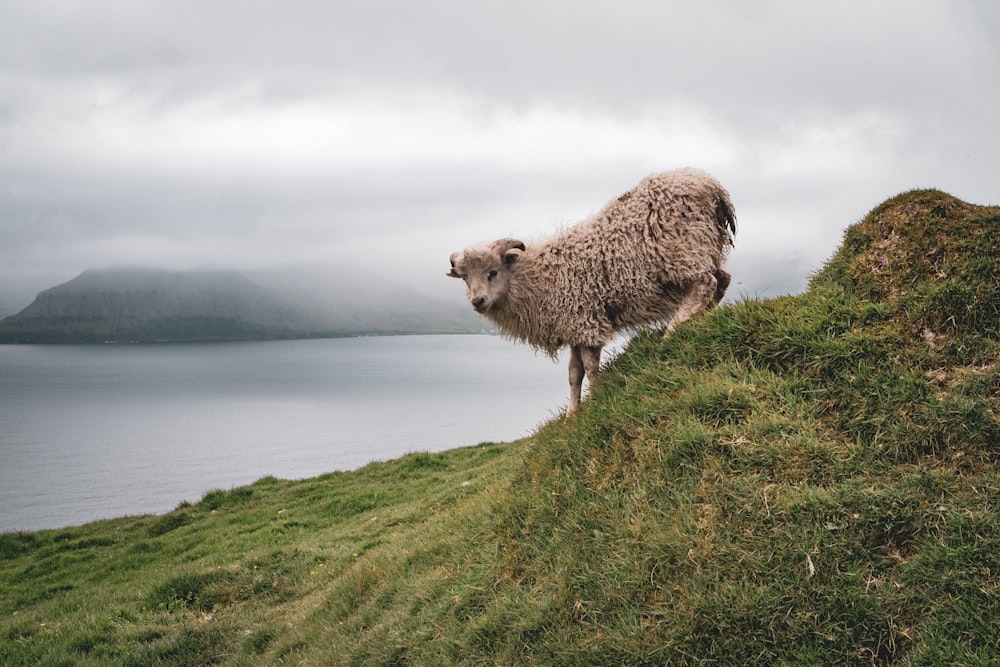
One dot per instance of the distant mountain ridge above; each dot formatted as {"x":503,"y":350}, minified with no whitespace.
{"x":155,"y":305}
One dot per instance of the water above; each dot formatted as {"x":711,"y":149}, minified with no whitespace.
{"x":91,"y":432}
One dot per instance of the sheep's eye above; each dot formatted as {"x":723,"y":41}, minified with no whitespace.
{"x":491,"y":275}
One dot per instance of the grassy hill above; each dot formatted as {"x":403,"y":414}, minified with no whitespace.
{"x":804,"y":480}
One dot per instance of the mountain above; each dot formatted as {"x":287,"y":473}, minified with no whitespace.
{"x":152,"y":305}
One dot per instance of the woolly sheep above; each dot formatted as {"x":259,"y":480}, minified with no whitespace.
{"x":653,"y":255}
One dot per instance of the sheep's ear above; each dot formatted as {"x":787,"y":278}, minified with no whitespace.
{"x":501,"y":246}
{"x":512,"y":255}
{"x":456,"y":258}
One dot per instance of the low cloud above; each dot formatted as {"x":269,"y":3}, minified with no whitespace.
{"x":248,"y":135}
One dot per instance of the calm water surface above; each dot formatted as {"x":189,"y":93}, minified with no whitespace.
{"x":91,"y":432}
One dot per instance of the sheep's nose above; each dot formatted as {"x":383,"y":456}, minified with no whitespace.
{"x":479,"y":302}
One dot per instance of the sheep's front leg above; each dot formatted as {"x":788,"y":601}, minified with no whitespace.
{"x":575,"y":378}
{"x":583,"y":361}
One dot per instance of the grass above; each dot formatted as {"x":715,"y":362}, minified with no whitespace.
{"x":262,"y":573}
{"x":803,"y":480}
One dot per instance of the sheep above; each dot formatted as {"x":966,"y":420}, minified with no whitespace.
{"x":653,"y":255}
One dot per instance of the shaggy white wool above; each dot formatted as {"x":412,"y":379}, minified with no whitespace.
{"x":629,"y":266}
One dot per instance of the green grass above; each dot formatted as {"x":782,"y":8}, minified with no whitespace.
{"x":803,"y":480}
{"x":256,"y":575}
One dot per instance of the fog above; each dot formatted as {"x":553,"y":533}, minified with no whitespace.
{"x":386,"y":135}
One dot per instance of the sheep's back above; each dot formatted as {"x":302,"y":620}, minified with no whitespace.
{"x":665,"y":227}
{"x":609,"y":272}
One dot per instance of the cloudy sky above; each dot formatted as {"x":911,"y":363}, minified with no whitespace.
{"x":387,"y":134}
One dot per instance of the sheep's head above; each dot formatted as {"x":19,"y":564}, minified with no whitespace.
{"x":486,"y":272}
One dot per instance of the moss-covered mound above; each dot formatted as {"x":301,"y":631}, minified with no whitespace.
{"x":932,"y":255}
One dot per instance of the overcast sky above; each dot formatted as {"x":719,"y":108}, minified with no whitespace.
{"x":388,"y":134}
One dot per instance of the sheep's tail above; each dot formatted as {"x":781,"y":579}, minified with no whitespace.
{"x":725,"y":216}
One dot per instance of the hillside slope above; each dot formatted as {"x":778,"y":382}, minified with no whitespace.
{"x":805,"y":480}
